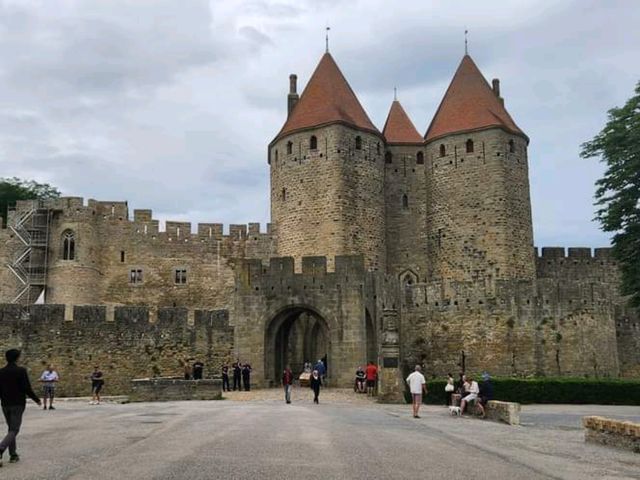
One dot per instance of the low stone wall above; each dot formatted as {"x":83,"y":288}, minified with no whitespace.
{"x":168,"y":389}
{"x":507,"y":412}
{"x":613,"y":433}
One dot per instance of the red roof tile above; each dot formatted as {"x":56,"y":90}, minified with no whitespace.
{"x":469,"y":104}
{"x":326,"y":99}
{"x":398,"y":128}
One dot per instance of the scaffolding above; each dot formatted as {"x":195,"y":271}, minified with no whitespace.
{"x":31,"y":227}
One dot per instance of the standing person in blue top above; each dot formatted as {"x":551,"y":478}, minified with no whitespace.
{"x":486,"y":392}
{"x":49,"y":378}
{"x":322,"y":370}
{"x":14,"y":389}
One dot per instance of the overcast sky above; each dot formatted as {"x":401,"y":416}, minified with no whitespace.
{"x":171,"y":104}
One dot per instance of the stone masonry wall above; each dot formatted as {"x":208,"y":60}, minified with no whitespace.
{"x":406,"y":218}
{"x":122,"y":341}
{"x":479,"y":210}
{"x":8,"y":245}
{"x":329,"y":201}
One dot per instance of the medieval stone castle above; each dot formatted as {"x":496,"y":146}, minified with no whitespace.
{"x":384,"y":245}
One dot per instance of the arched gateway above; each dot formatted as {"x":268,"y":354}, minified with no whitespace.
{"x":282,"y":317}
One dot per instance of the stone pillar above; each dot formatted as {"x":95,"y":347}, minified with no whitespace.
{"x":391,"y":386}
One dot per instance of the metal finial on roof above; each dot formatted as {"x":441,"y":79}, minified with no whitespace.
{"x":326,"y":38}
{"x":466,"y":43}
{"x":395,"y":93}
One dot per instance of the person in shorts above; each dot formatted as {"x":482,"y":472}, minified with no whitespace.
{"x":49,"y":378}
{"x":417,"y":386}
{"x":97,"y":382}
{"x":471,"y":396}
{"x":372,"y":377}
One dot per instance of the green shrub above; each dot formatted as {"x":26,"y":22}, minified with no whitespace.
{"x":551,"y":390}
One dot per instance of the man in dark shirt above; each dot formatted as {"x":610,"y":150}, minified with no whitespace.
{"x":246,"y":376}
{"x":225,"y":378}
{"x":198,"y":368}
{"x":14,"y":388}
{"x":237,"y":369}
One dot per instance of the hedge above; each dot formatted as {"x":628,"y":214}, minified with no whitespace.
{"x":552,"y":390}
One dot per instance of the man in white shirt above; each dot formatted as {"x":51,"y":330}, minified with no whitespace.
{"x":472,"y":396}
{"x":417,"y":385}
{"x":49,"y":378}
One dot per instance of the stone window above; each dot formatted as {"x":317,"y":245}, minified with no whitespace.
{"x":443,"y":150}
{"x":388,"y":157}
{"x":289,"y":148}
{"x":313,"y":142}
{"x":469,"y":146}
{"x":420,"y":158}
{"x":135,"y":276}
{"x":68,"y":245}
{"x":358,"y":142}
{"x":405,"y":201}
{"x":180,"y":276}
{"x":276,"y":156}
{"x":283,"y":195}
{"x":122,"y":256}
{"x":512,"y":147}
{"x":378,"y":148}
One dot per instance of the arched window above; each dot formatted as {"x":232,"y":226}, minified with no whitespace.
{"x":420,"y":158}
{"x":313,"y":143}
{"x":68,"y":245}
{"x":408,"y":280}
{"x":512,"y":146}
{"x":443,"y":150}
{"x":405,"y":201}
{"x":284,"y":194}
{"x":469,"y":146}
{"x":388,"y":157}
{"x":358,"y":143}
{"x":289,"y":148}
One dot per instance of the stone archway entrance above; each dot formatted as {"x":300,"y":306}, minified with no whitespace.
{"x":295,"y":335}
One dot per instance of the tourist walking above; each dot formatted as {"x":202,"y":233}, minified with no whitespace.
{"x":361,"y":377}
{"x":225,"y":378}
{"x":237,"y":371}
{"x":97,"y":382}
{"x":198,"y":368}
{"x":315,"y":382}
{"x":287,"y":383}
{"x":372,"y":377}
{"x":449,"y":389}
{"x":417,"y":386}
{"x":486,"y":393}
{"x":322,"y":370}
{"x":49,"y":378}
{"x":14,"y":389}
{"x":246,"y":377}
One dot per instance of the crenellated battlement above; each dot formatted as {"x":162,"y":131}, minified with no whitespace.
{"x":553,"y":253}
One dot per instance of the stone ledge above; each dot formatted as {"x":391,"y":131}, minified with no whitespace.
{"x":507,"y":412}
{"x":613,"y":433}
{"x":171,"y":389}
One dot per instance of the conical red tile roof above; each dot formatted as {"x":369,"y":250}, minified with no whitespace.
{"x":326,"y":99}
{"x":469,"y":104}
{"x":398,"y":128}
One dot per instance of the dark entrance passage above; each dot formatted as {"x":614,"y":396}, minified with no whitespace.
{"x":296,"y":335}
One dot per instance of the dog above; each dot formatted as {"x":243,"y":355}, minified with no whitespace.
{"x":454,"y":411}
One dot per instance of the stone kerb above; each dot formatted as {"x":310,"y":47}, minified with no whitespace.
{"x":172,"y":388}
{"x":507,"y":412}
{"x":613,"y":433}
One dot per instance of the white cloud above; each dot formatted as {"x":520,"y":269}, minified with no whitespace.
{"x":170,"y":105}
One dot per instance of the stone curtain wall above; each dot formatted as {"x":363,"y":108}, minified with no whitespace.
{"x":8,"y":247}
{"x":329,"y":201}
{"x":128,"y":345}
{"x":109,"y":245}
{"x":553,"y":327}
{"x":479,"y":209}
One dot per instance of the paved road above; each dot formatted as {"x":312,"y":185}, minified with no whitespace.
{"x":268,"y":439}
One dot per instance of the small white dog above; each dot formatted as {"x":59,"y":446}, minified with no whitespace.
{"x":454,"y":411}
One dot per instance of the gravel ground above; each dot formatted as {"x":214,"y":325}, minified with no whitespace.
{"x":256,"y":435}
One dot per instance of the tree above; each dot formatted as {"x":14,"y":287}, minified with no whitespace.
{"x":618,"y":192}
{"x":14,"y":189}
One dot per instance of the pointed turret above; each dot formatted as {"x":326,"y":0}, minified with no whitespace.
{"x":399,"y":129}
{"x":470,"y":104}
{"x":327,"y":98}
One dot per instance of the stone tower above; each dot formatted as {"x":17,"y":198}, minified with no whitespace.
{"x":405,"y":196}
{"x":478,"y":207}
{"x":327,"y":174}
